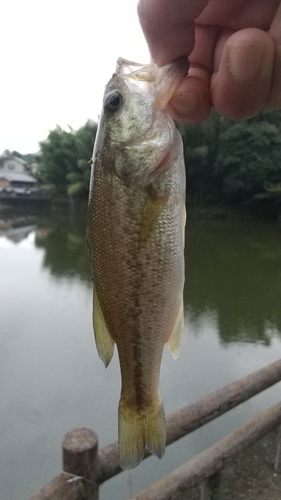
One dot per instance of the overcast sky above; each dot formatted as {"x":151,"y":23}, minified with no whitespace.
{"x":56,"y":57}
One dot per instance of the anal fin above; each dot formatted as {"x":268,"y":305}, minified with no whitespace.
{"x":104,"y":341}
{"x":174,"y":343}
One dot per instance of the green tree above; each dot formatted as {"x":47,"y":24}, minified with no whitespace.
{"x":234,"y":162}
{"x":58,"y":158}
{"x":201,"y":147}
{"x":79,"y":180}
{"x":226,"y":161}
{"x":65,"y":154}
{"x":248,"y":160}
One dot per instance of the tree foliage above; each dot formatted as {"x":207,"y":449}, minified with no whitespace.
{"x":249,"y":158}
{"x":234,"y":162}
{"x":64,"y":162}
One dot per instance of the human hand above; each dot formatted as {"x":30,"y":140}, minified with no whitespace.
{"x":234,"y":49}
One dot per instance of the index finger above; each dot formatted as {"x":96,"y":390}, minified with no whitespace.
{"x":169,"y":27}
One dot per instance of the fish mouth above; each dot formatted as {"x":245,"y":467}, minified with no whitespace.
{"x":136,"y":71}
{"x":169,"y":78}
{"x":165,"y":79}
{"x":150,"y":73}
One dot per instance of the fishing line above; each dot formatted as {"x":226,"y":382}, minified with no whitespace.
{"x":74,"y":478}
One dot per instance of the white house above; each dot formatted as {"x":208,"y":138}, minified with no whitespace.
{"x":14,"y":179}
{"x":14,"y":164}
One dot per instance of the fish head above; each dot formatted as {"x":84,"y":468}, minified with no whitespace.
{"x":135,"y":128}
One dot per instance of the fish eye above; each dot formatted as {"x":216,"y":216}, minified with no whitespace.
{"x":113,"y":101}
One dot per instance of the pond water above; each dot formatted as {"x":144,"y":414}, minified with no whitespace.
{"x":52,"y":379}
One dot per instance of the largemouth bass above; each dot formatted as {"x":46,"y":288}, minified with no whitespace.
{"x":135,"y":234}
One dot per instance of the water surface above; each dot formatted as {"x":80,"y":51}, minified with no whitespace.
{"x":52,"y":379}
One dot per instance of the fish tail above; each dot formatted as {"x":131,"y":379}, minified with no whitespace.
{"x":140,"y":429}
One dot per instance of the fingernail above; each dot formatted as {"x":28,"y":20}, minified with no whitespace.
{"x":246,"y":60}
{"x":185,"y":103}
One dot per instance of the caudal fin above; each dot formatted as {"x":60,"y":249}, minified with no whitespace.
{"x":139,"y":430}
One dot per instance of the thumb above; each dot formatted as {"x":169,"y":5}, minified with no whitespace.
{"x":169,"y":27}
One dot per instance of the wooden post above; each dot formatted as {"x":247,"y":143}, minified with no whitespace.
{"x":210,"y":487}
{"x":101,"y":466}
{"x":80,"y":459}
{"x":277,"y":463}
{"x":188,"y":419}
{"x":59,"y":489}
{"x":214,"y":458}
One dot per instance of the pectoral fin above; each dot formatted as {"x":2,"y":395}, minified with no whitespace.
{"x":152,"y":209}
{"x":104,"y":341}
{"x":174,"y":343}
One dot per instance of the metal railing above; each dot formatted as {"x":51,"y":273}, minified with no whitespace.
{"x":85,"y":467}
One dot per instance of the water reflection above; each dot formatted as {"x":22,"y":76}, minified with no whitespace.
{"x":18,"y":234}
{"x":233,"y":272}
{"x":15,"y":230}
{"x":65,"y":248}
{"x":52,"y":379}
{"x":232,"y":269}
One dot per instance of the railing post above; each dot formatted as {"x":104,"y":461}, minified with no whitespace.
{"x":277,"y":463}
{"x":210,"y":487}
{"x":80,"y":459}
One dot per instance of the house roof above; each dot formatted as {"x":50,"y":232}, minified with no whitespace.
{"x":16,"y":177}
{"x":15,"y":158}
